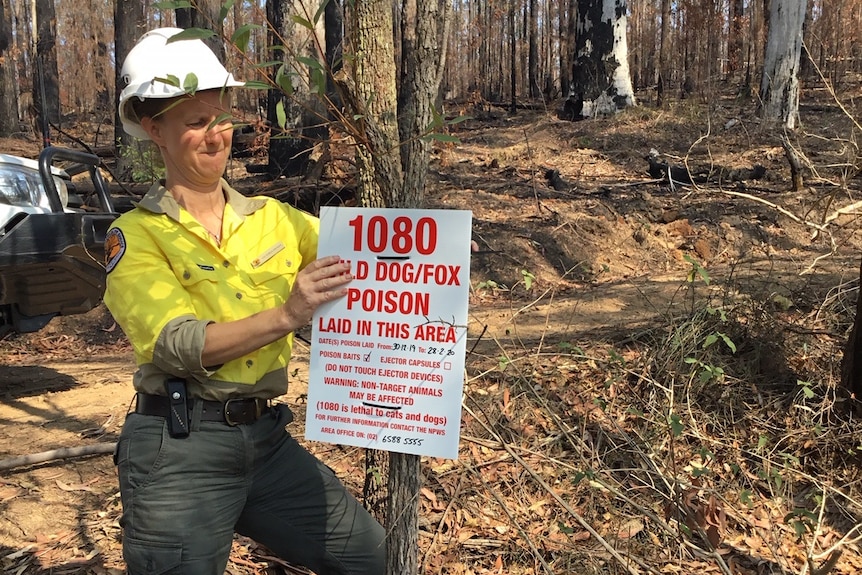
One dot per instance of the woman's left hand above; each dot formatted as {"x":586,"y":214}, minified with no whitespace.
{"x":323,"y":280}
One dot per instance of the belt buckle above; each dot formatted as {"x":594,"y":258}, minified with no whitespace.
{"x":227,"y":413}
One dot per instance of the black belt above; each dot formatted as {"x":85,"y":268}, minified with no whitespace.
{"x":231,"y":412}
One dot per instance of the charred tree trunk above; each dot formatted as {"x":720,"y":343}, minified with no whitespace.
{"x":513,"y":61}
{"x":600,"y":72}
{"x":533,"y":49}
{"x":735,"y":39}
{"x":204,"y":14}
{"x":128,"y":26}
{"x":294,"y":108}
{"x":334,"y":37}
{"x":8,"y":85}
{"x":46,"y":82}
{"x":851,"y":364}
{"x":663,"y":54}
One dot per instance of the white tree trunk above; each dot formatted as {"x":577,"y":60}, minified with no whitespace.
{"x":601,"y":78}
{"x":779,"y":87}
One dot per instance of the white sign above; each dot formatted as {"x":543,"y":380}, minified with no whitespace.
{"x":387,"y":360}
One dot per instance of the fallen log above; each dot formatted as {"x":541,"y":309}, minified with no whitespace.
{"x":63,"y":453}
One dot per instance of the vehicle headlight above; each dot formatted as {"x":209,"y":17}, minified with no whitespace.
{"x":21,"y":186}
{"x":62,"y":190}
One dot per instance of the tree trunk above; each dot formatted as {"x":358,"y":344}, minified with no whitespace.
{"x":46,"y":82}
{"x":304,"y":117}
{"x":204,"y":14}
{"x":420,"y":82}
{"x":513,"y":61}
{"x":851,"y":364}
{"x":664,"y":53}
{"x":402,"y":545}
{"x":333,"y":37}
{"x":601,"y":72}
{"x":8,"y":85}
{"x":779,"y":87}
{"x":532,"y":49}
{"x":373,"y":99}
{"x":128,"y":27}
{"x":393,"y":175}
{"x":735,"y":39}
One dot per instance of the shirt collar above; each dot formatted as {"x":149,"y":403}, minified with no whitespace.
{"x":159,"y":200}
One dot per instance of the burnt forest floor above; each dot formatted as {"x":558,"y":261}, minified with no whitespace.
{"x":652,"y":377}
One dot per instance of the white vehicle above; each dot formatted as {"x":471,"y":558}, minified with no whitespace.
{"x":51,"y":252}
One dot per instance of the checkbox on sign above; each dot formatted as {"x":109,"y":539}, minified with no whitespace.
{"x":447,"y":365}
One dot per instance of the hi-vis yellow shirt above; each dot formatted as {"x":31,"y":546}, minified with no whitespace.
{"x":167,"y":279}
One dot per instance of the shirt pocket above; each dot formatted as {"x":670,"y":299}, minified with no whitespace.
{"x":273,"y":279}
{"x":190,"y":273}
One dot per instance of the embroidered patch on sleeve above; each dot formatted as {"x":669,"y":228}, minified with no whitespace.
{"x":115,"y":247}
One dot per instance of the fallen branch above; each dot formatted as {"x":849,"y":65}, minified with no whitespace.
{"x":63,"y":453}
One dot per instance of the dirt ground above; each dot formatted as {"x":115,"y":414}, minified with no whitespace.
{"x":578,"y":243}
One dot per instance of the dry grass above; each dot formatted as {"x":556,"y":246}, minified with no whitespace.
{"x":715,"y":442}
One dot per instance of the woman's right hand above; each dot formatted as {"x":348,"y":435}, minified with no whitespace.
{"x":323,"y":280}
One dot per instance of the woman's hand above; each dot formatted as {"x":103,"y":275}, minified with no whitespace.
{"x":323,"y":280}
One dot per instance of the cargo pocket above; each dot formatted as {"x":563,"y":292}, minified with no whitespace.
{"x":151,"y":557}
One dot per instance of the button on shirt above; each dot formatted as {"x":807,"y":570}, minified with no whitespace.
{"x":168,"y":279}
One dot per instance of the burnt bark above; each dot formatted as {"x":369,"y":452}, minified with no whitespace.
{"x":128,"y":27}
{"x":303,"y":125}
{"x":600,"y":73}
{"x":46,"y":82}
{"x":851,"y":363}
{"x":8,"y":85}
{"x":779,"y":87}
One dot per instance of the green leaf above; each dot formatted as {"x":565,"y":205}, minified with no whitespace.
{"x":312,"y":63}
{"x":320,"y":11}
{"x":171,"y":80}
{"x":172,"y":4}
{"x":728,"y":342}
{"x":441,"y":137}
{"x":785,"y":303}
{"x":257,"y":85}
{"x":696,"y":269}
{"x":281,"y":116}
{"x":710,"y":339}
{"x":317,"y":82}
{"x":219,"y":119}
{"x":746,"y":497}
{"x":242,"y":35}
{"x":302,"y":22}
{"x":225,"y":10}
{"x":676,"y":425}
{"x":282,"y":79}
{"x":528,"y":279}
{"x":191,"y":34}
{"x":190,"y":83}
{"x":458,"y":120}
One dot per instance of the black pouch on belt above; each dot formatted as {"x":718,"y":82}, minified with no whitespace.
{"x":178,"y":415}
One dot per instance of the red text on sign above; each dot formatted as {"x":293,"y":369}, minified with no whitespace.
{"x":403,"y":238}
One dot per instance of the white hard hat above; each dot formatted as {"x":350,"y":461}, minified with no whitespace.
{"x":153,"y":59}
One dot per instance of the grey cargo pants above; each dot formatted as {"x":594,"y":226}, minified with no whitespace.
{"x":184,"y":498}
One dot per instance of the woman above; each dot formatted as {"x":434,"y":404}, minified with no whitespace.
{"x":209,"y":285}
